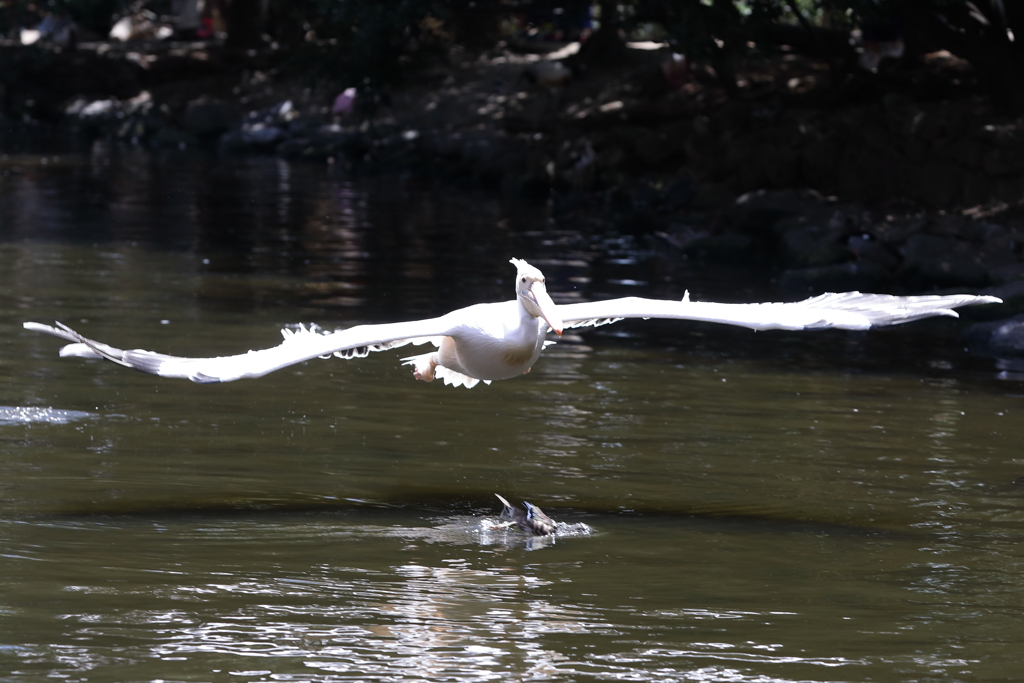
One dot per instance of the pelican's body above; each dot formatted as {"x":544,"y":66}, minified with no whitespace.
{"x":487,"y":342}
{"x":492,"y":341}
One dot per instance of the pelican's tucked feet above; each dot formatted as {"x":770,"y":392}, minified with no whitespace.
{"x":424,"y":367}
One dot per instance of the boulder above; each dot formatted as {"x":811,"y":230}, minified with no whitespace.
{"x":1002,"y":275}
{"x":864,"y":276}
{"x":209,"y":117}
{"x":930,"y":260}
{"x":868,"y":248}
{"x":758,"y":211}
{"x":262,"y":136}
{"x":999,"y":251}
{"x":813,"y":246}
{"x":95,"y":115}
{"x":936,"y":183}
{"x":999,"y":337}
{"x":652,"y":147}
{"x":711,"y":196}
{"x":727,"y":249}
{"x":173,"y":138}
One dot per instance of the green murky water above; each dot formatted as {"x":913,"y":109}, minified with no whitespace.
{"x":768,"y":507}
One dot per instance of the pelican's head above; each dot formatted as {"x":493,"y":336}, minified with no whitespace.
{"x":533,"y":294}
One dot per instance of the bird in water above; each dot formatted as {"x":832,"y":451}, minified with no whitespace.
{"x":513,"y":515}
{"x":494,"y":341}
{"x":533,"y":520}
{"x":539,"y":524}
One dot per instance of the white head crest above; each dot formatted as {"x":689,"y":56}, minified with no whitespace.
{"x":526,"y":269}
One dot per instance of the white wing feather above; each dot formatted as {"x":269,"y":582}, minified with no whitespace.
{"x":848,"y":311}
{"x":299,"y":345}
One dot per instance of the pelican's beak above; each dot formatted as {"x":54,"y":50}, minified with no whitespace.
{"x":538,"y":293}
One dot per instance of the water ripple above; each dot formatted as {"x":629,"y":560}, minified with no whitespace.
{"x":414,"y":622}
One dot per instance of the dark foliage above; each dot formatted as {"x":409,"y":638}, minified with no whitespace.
{"x":371,"y":40}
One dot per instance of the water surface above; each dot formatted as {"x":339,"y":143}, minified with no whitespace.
{"x":828,"y":506}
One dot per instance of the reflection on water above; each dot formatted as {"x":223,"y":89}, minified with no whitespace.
{"x":768,"y":507}
{"x":379,"y":599}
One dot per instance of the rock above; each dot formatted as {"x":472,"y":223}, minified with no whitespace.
{"x":655,"y":147}
{"x":170,"y":137}
{"x":952,"y":225}
{"x":261,"y":135}
{"x":678,"y":194}
{"x":729,"y":248}
{"x":209,"y":117}
{"x":894,"y":233}
{"x":819,"y":159}
{"x":813,"y":246}
{"x":769,"y":164}
{"x":871,"y":167}
{"x":39,"y":82}
{"x":959,"y":268}
{"x":1001,"y":275}
{"x":865,"y":276}
{"x":1004,"y":160}
{"x":95,"y":115}
{"x":279,"y":114}
{"x":867,"y":248}
{"x":303,"y":125}
{"x":930,"y":260}
{"x":936,"y":183}
{"x":526,"y":184}
{"x":95,"y":109}
{"x":323,"y":143}
{"x":232,"y":142}
{"x":1008,"y":189}
{"x":999,"y":251}
{"x":999,"y":337}
{"x":712,"y":196}
{"x":758,"y":211}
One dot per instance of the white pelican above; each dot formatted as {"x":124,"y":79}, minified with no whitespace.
{"x":486,"y":342}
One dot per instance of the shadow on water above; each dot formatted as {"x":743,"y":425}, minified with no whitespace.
{"x":441,"y":504}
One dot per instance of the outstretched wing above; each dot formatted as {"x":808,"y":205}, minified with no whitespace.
{"x":848,"y":311}
{"x":300,"y":344}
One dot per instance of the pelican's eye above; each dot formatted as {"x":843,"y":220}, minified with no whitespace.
{"x":524,"y":279}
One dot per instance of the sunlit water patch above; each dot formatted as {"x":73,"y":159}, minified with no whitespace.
{"x":14,"y":415}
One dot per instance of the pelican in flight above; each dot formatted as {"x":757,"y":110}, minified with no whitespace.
{"x":487,"y":342}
